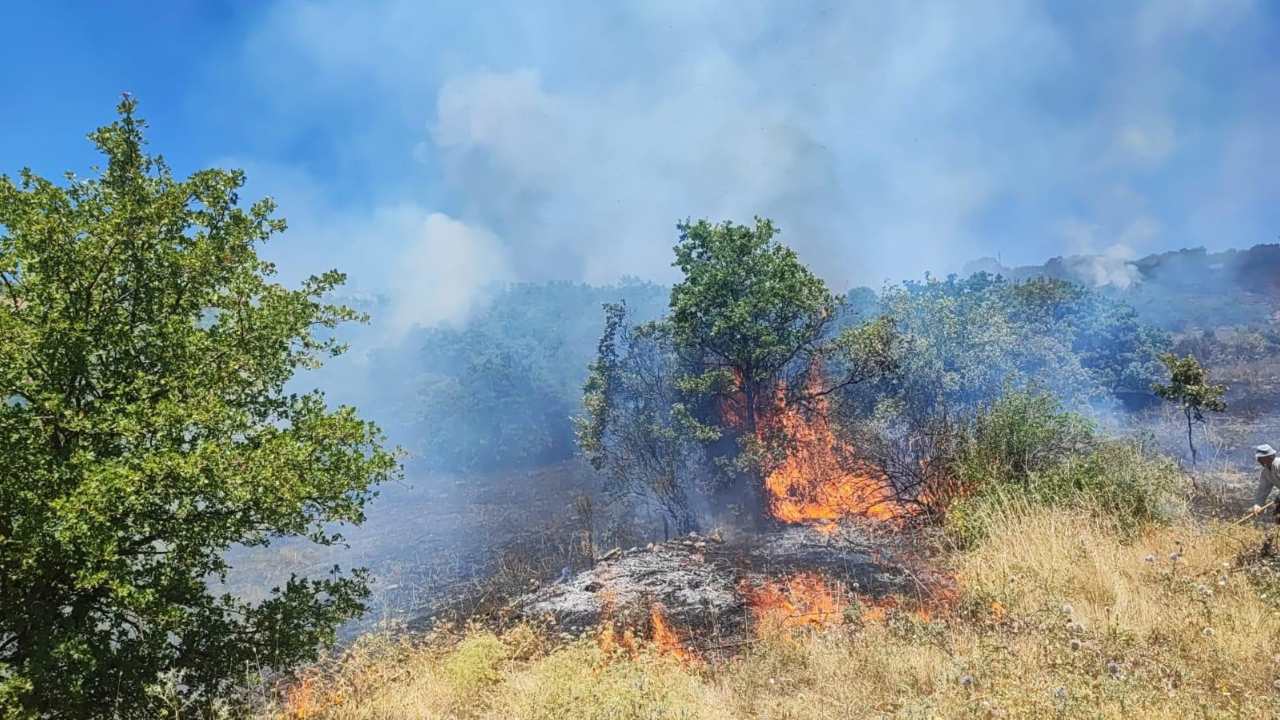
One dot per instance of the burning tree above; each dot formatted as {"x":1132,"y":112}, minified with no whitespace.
{"x":729,"y":387}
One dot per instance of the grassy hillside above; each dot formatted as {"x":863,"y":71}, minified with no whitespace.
{"x":1057,"y":615}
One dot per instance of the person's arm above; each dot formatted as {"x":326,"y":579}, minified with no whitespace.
{"x":1264,"y":489}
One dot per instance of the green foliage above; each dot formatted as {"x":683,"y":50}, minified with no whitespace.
{"x":600,"y":386}
{"x":747,"y":321}
{"x":1019,"y":435}
{"x":746,"y":302}
{"x":966,"y":340}
{"x":1189,"y":386}
{"x":1024,"y":449}
{"x":501,"y":390}
{"x":145,"y":429}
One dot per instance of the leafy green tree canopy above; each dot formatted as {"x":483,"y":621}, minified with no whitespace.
{"x":746,"y":303}
{"x":145,"y":428}
{"x":747,"y":320}
{"x":1190,"y":387}
{"x":969,"y":339}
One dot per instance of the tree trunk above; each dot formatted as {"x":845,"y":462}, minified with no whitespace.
{"x":1190,"y":443}
{"x":751,"y":483}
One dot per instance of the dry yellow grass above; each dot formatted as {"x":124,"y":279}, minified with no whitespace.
{"x":1059,"y":616}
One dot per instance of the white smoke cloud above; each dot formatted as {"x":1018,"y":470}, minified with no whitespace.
{"x":435,"y":268}
{"x":884,"y":139}
{"x":442,"y":275}
{"x":1150,"y":143}
{"x":1101,"y":258}
{"x":591,"y":186}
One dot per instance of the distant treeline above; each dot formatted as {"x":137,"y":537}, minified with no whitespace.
{"x":500,"y":391}
{"x":1183,"y":290}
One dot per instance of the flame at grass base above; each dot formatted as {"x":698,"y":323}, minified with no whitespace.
{"x":809,"y":600}
{"x":802,"y":600}
{"x":665,"y":637}
{"x":662,"y":637}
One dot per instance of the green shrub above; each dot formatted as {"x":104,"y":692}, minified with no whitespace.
{"x":1020,"y":434}
{"x":1025,"y":450}
{"x":474,"y":665}
{"x":1126,"y":480}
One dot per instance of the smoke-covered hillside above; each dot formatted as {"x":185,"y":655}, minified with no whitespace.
{"x":1181,"y":290}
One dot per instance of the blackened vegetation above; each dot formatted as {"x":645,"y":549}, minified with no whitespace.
{"x":705,"y":583}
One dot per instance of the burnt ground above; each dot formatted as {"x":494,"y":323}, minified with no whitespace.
{"x":705,"y":584}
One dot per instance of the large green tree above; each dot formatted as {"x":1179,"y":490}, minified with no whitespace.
{"x":747,"y":321}
{"x":145,"y":428}
{"x":746,"y":305}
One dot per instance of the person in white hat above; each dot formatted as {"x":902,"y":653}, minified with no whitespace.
{"x":1268,"y":479}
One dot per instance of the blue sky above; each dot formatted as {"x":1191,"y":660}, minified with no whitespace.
{"x":432,"y":149}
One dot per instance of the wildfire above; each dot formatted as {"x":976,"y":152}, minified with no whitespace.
{"x":611,"y":642}
{"x":877,"y":610}
{"x":665,"y":638}
{"x":820,"y":480}
{"x":804,"y":599}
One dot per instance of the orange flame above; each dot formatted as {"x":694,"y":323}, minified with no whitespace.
{"x":821,"y":479}
{"x":875,"y":613}
{"x":313,"y":696}
{"x":804,"y":599}
{"x":665,"y":638}
{"x":302,"y":700}
{"x":611,"y":642}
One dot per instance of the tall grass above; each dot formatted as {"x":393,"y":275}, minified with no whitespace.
{"x":1061,"y":614}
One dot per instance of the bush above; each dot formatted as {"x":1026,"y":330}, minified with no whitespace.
{"x":967,"y":339}
{"x":1025,"y":450}
{"x":1020,"y":434}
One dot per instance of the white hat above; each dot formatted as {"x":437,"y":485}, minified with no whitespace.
{"x":1264,"y":450}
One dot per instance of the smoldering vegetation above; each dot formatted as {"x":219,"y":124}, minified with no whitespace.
{"x":499,"y":498}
